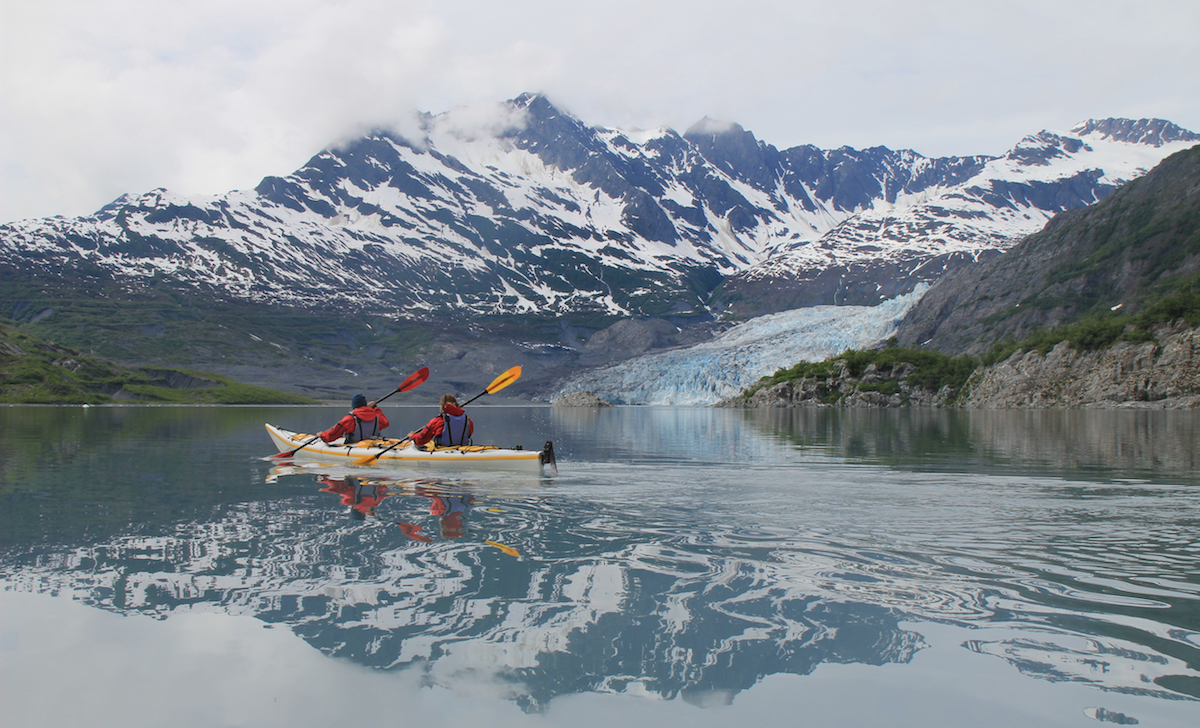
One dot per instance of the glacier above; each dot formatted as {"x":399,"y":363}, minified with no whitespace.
{"x":706,"y":373}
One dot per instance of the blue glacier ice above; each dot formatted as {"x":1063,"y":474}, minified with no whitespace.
{"x":734,"y":360}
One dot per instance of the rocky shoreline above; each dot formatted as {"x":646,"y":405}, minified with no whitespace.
{"x":1161,"y":374}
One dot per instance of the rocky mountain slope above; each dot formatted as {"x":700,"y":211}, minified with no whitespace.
{"x":1163,"y":374}
{"x":1137,"y":246}
{"x":526,"y":210}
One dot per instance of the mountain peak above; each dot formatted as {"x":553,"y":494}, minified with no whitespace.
{"x":1152,"y":132}
{"x":712,"y":127}
{"x":526,"y":99}
{"x":538,"y":105}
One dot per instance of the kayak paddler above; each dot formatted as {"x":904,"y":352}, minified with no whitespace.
{"x":365,"y":422}
{"x":451,"y":427}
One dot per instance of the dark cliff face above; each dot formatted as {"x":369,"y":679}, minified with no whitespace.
{"x":1139,"y":244}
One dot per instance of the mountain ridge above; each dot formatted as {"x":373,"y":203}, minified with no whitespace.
{"x":1128,"y":252}
{"x":525,"y":209}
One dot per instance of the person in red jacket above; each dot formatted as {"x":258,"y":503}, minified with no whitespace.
{"x":451,"y":427}
{"x":365,"y":421}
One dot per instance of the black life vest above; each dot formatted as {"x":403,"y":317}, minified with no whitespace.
{"x":454,"y":430}
{"x":363,"y":430}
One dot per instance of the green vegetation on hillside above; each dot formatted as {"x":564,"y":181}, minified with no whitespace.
{"x":175,"y":326}
{"x":1101,"y":331}
{"x":33,"y":371}
{"x":1139,"y":249}
{"x":931,"y":370}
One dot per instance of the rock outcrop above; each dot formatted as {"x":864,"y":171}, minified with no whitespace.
{"x":1159,"y":374}
{"x":1163,"y":375}
{"x":580,"y":399}
{"x":877,"y":387}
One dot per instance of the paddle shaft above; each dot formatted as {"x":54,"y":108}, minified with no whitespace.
{"x":306,"y":443}
{"x":469,"y":401}
{"x":389,"y":394}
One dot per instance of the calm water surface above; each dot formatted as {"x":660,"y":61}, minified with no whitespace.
{"x":686,"y":567}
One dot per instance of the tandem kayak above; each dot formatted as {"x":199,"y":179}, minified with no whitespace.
{"x":475,"y":457}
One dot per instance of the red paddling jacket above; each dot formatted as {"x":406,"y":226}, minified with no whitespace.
{"x":451,"y":427}
{"x":362,"y":423}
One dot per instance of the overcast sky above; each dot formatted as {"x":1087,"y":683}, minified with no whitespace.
{"x":102,"y":97}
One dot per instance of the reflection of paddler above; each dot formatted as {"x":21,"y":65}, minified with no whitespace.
{"x":411,"y":530}
{"x":449,"y":508}
{"x":362,"y":499}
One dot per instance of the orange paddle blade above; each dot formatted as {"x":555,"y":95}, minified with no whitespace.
{"x":504,"y":380}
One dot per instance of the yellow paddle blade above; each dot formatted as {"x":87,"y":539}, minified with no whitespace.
{"x":506,"y":549}
{"x":504,"y":380}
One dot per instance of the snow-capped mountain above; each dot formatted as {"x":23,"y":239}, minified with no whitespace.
{"x":897,"y":240}
{"x":522,"y":208}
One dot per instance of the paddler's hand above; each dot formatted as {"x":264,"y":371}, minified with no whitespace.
{"x":371,"y":404}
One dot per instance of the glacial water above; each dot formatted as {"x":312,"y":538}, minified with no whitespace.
{"x":687,"y":566}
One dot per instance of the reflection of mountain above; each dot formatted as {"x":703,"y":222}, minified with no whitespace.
{"x":1121,"y":442}
{"x":1088,"y":661}
{"x":582,"y":615}
{"x":599,"y":601}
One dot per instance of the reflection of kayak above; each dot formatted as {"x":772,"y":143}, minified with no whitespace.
{"x":477,"y":457}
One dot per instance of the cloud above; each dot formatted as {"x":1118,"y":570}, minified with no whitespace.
{"x":712,"y":126}
{"x":480,"y":121}
{"x":98,"y":99}
{"x":199,"y":101}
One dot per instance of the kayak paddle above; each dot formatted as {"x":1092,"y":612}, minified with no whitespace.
{"x":497,"y":384}
{"x":413,"y":381}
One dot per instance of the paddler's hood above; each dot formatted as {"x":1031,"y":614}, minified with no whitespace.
{"x":454,"y":410}
{"x":365,"y":413}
